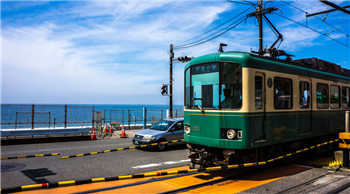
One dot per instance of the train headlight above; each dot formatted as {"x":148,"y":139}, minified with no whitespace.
{"x":231,"y":134}
{"x":187,"y":129}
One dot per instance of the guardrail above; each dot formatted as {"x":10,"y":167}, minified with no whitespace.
{"x":16,"y":116}
{"x":24,"y":132}
{"x":19,"y":116}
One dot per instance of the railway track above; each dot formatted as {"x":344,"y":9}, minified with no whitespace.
{"x":185,"y":179}
{"x":233,"y":180}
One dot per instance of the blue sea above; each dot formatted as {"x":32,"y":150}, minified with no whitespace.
{"x":50,"y":115}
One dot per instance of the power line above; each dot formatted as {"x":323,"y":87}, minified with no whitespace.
{"x":213,"y":35}
{"x":213,"y":28}
{"x":246,"y":3}
{"x":242,"y":19}
{"x":336,"y":29}
{"x":312,"y":29}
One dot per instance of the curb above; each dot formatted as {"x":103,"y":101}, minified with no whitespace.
{"x":30,"y":156}
{"x":120,"y":149}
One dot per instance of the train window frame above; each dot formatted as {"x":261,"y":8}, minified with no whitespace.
{"x":279,"y":94}
{"x":335,"y":105}
{"x":235,"y":100}
{"x":345,"y":105}
{"x":192,"y":101}
{"x":304,"y":100}
{"x":317,"y":95}
{"x":258,"y":93}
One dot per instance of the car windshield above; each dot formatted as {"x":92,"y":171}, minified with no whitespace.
{"x":162,"y":125}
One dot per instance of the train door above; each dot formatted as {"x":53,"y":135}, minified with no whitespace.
{"x":305,"y":105}
{"x":260,"y":104}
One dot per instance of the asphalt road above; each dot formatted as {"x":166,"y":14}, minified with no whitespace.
{"x":17,"y":172}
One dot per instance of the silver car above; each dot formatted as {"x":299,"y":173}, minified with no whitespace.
{"x":164,"y":130}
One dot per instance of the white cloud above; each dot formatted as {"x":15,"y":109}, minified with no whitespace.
{"x":116,"y":51}
{"x":55,"y":62}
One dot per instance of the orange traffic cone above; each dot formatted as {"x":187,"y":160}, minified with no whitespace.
{"x":106,"y":130}
{"x":123,"y":135}
{"x":93,"y":136}
{"x":110,"y":129}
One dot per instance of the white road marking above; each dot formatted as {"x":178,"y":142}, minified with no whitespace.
{"x":160,"y":164}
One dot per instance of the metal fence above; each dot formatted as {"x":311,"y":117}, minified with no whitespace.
{"x":132,"y":117}
{"x":14,"y":116}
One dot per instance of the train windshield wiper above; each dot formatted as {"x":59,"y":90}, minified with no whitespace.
{"x":194,"y":99}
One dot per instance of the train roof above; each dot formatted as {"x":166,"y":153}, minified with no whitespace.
{"x":313,"y":64}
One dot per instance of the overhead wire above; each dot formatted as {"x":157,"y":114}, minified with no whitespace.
{"x":312,"y":29}
{"x":213,"y":28}
{"x":207,"y":39}
{"x":336,"y":29}
{"x":178,"y":45}
{"x":246,"y":2}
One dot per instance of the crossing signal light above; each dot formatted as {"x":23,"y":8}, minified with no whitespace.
{"x":164,"y":89}
{"x":185,"y":59}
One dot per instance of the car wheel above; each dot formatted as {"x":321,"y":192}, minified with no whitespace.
{"x":160,"y":146}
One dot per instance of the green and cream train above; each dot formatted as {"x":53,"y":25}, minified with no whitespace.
{"x":240,"y":107}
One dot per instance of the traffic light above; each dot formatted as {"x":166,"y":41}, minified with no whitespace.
{"x":185,"y":59}
{"x":164,"y":90}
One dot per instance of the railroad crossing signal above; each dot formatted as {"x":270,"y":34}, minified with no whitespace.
{"x":184,"y":59}
{"x":164,"y":89}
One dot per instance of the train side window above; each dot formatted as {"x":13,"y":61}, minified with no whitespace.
{"x":345,"y":97}
{"x":304,"y":94}
{"x":322,"y":96}
{"x":335,"y":97}
{"x":258,"y":92}
{"x":282,"y":93}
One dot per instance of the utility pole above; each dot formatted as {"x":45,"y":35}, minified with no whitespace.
{"x":171,"y":57}
{"x":259,"y":16}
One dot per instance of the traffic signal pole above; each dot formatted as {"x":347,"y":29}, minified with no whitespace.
{"x":171,"y":54}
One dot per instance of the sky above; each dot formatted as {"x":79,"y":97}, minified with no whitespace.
{"x":117,"y":52}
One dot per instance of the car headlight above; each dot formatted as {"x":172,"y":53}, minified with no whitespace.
{"x":187,"y":129}
{"x":148,"y":137}
{"x":231,"y":134}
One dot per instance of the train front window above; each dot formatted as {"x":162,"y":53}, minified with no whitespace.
{"x":213,"y":86}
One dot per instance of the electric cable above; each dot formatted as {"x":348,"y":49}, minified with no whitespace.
{"x":209,"y":39}
{"x":336,"y":29}
{"x":312,"y":29}
{"x":212,"y":28}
